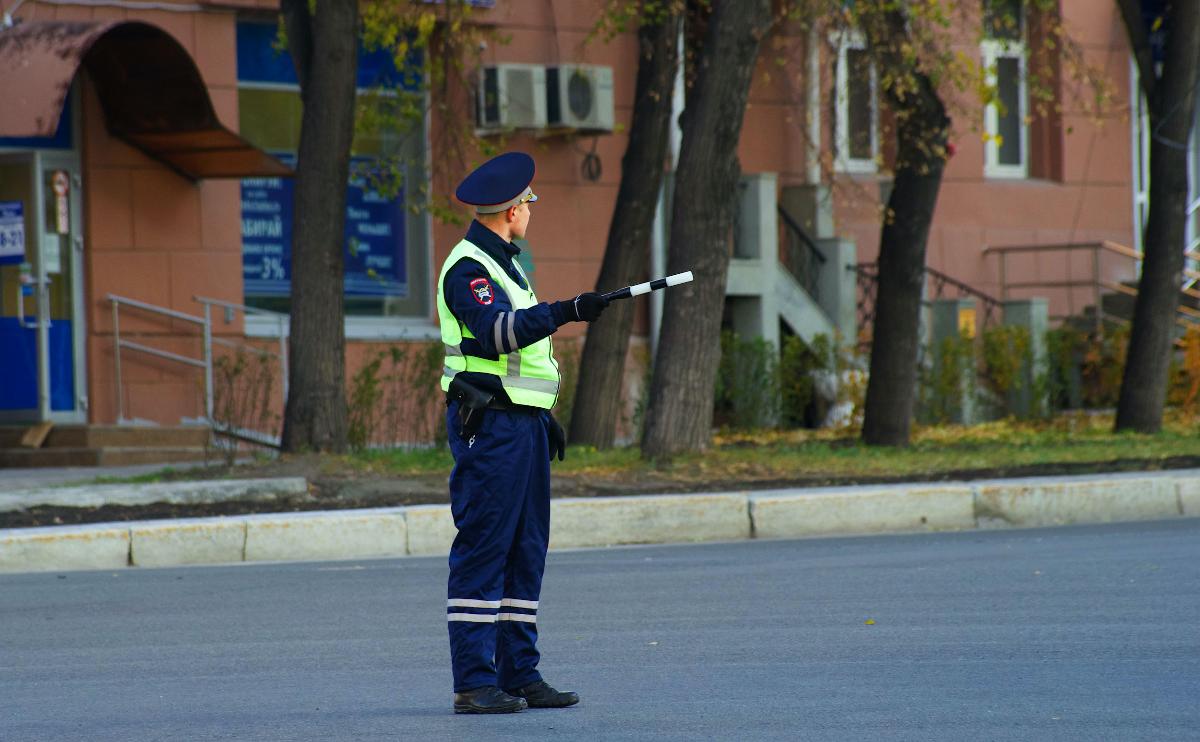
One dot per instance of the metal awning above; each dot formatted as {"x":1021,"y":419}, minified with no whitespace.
{"x":151,"y":91}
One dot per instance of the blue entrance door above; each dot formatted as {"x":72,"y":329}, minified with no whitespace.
{"x":39,"y":251}
{"x":18,"y":294}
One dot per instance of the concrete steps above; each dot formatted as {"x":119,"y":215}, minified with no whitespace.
{"x":104,"y":445}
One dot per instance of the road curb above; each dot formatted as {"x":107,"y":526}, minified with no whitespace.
{"x":1067,"y":503}
{"x":604,"y":521}
{"x":99,"y":546}
{"x":321,"y":535}
{"x":882,"y":510}
{"x":648,"y":519}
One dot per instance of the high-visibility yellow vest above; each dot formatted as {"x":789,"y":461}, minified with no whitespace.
{"x":530,"y":374}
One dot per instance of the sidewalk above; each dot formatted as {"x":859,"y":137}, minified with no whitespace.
{"x":22,"y":479}
{"x":602,"y":521}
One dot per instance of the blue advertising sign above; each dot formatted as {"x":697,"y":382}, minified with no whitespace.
{"x":12,"y":231}
{"x":375,"y":244}
{"x":267,"y":236}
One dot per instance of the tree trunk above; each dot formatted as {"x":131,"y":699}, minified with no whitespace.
{"x":922,"y":130}
{"x":324,"y":48}
{"x":679,"y":416}
{"x":1172,"y":100}
{"x":602,"y":367}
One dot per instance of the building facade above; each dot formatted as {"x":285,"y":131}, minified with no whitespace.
{"x":145,"y":163}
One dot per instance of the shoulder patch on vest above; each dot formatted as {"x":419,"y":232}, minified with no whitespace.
{"x":482,"y":289}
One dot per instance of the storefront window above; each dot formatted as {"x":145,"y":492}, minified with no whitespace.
{"x":387,"y":255}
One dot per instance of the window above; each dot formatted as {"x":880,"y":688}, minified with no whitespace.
{"x":1005,"y":120}
{"x":856,"y":124}
{"x":387,"y":254}
{"x":1139,"y":125}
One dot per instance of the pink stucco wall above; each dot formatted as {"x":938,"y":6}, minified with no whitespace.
{"x":157,"y":237}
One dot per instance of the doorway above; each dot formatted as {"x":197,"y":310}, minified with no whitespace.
{"x":42,"y":364}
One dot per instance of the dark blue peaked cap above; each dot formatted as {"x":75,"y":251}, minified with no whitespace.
{"x":499,"y":183}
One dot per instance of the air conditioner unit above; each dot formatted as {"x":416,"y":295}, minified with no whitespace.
{"x":580,"y":96}
{"x":511,"y":96}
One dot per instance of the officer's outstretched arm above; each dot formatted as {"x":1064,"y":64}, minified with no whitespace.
{"x":519,"y":328}
{"x":498,"y":328}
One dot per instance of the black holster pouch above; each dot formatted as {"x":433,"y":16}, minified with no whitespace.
{"x":472,"y":401}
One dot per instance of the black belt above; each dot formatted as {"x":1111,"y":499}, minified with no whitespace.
{"x":497,"y":404}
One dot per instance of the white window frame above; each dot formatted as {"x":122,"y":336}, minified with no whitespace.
{"x":843,"y":162}
{"x":1139,"y":132}
{"x":1192,"y":231}
{"x":994,"y":50}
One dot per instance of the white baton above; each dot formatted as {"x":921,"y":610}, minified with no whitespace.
{"x":647,"y":287}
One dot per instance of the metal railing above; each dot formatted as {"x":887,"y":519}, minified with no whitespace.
{"x":281,"y":321}
{"x":800,"y":255}
{"x":938,"y":286}
{"x":1191,"y":251}
{"x":205,"y":362}
{"x":1096,"y":284}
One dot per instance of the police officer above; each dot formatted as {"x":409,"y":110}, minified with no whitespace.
{"x":501,"y":381}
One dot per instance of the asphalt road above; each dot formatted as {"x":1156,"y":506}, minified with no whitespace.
{"x":1080,"y":633}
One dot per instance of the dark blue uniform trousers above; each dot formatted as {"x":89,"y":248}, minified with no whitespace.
{"x":500,"y":498}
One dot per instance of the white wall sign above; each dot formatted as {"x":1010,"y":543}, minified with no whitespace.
{"x":12,"y":231}
{"x":52,"y":253}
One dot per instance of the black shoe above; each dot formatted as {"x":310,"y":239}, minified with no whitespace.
{"x":541,"y":695}
{"x":487,"y":700}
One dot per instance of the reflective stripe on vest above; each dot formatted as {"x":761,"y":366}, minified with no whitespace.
{"x":529,"y":375}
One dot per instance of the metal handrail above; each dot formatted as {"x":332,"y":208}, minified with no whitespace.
{"x":990,"y":302}
{"x":867,"y":275}
{"x":156,"y":309}
{"x":204,"y":363}
{"x":808,"y":270}
{"x":1107,"y":245}
{"x":280,"y":318}
{"x":1095,"y":282}
{"x":800,"y":232}
{"x":241,"y":307}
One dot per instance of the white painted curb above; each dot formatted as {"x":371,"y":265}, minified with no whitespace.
{"x":1189,"y":497}
{"x":1066,"y":503}
{"x":791,"y":515}
{"x":100,"y":546}
{"x":335,"y":534}
{"x":601,"y":521}
{"x":430,"y":530}
{"x":606,"y":521}
{"x":186,"y":541}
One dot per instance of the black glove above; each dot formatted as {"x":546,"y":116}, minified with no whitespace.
{"x":556,"y":438}
{"x":587,"y":307}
